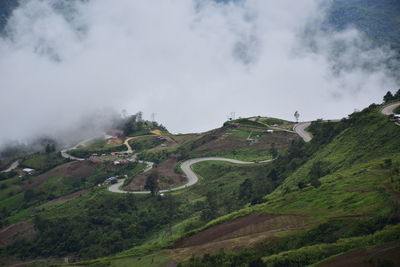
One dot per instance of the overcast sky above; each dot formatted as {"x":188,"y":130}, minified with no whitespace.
{"x":189,"y":62}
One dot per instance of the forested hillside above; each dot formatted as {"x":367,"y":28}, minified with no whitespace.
{"x":379,"y":20}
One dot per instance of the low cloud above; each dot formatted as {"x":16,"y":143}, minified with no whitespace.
{"x":189,"y":62}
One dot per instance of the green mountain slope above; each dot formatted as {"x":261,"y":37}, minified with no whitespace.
{"x":336,"y":194}
{"x":349,"y":188}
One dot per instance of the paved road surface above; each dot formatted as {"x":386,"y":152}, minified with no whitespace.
{"x":126,"y":142}
{"x":64,"y":152}
{"x":187,"y":170}
{"x":12,"y":166}
{"x":388,"y":110}
{"x":300,"y":129}
{"x":116,"y":187}
{"x":128,"y":146}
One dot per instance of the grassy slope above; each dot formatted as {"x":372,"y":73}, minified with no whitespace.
{"x":42,"y":161}
{"x":397,"y":110}
{"x":97,"y":146}
{"x":359,"y":184}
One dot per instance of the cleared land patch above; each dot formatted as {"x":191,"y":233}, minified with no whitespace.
{"x":235,"y":235}
{"x":69,"y":196}
{"x":243,"y":143}
{"x":75,"y":169}
{"x":16,"y":232}
{"x":385,"y":255}
{"x":168,"y":176}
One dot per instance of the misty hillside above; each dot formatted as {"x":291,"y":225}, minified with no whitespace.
{"x":199,"y":133}
{"x":380,"y":20}
{"x":288,"y":202}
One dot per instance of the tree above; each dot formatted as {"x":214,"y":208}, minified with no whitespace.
{"x":211,"y":207}
{"x":130,"y":125}
{"x":246,"y":190}
{"x":397,"y":94}
{"x":315,"y":183}
{"x":50,"y":148}
{"x":318,"y":169}
{"x":152,"y":183}
{"x":301,"y":184}
{"x":29,"y":195}
{"x":296,"y":116}
{"x":388,"y":97}
{"x":273,"y":151}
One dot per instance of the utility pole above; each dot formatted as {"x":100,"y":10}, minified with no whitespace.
{"x":297,"y":115}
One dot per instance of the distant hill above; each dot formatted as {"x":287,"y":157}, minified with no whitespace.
{"x":379,"y":20}
{"x":6,"y":8}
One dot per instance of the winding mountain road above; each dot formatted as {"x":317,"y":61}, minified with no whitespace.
{"x":115,"y":188}
{"x":300,"y":129}
{"x":186,"y":167}
{"x":65,"y":154}
{"x":126,"y":143}
{"x":389,"y":109}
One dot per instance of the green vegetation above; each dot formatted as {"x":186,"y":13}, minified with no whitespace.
{"x":43,"y":162}
{"x":303,"y":256}
{"x":134,"y":125}
{"x":244,"y":154}
{"x":145,"y":143}
{"x":312,"y":254}
{"x":347,"y":190}
{"x":247,"y":122}
{"x":397,"y":110}
{"x":98,"y":147}
{"x":18,"y":195}
{"x":344,"y":185}
{"x":112,"y":222}
{"x":152,"y":183}
{"x":155,"y":157}
{"x":272,"y":121}
{"x":389,"y":97}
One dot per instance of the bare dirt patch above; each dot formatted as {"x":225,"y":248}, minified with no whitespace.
{"x":385,"y":255}
{"x":240,"y":233}
{"x":242,"y":226}
{"x":173,"y":142}
{"x":115,"y":141}
{"x":16,"y":232}
{"x":219,"y":141}
{"x":168,"y":177}
{"x":70,"y":196}
{"x":80,"y":169}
